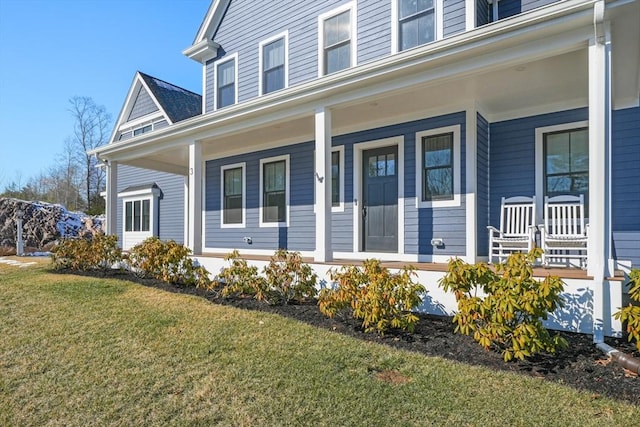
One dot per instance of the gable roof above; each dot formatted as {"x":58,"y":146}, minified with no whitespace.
{"x":178,"y":103}
{"x":173,"y":102}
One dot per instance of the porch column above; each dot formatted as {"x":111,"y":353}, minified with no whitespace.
{"x":599,"y":142}
{"x":322,"y":178}
{"x":111,"y":205}
{"x":471,"y":184}
{"x":195,"y":198}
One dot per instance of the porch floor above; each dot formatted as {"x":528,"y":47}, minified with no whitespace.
{"x":562,"y":272}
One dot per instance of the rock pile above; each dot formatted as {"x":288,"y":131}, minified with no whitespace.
{"x":43,"y":225}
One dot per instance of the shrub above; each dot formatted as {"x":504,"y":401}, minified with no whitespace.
{"x":241,"y":280}
{"x":99,"y":253}
{"x":382,"y":300}
{"x":289,"y":279}
{"x":631,"y":313}
{"x":168,"y":261}
{"x":509,"y":316}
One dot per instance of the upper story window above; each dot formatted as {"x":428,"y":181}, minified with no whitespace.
{"x":416,"y":23}
{"x":273,"y":64}
{"x":337,"y":39}
{"x":143,"y":129}
{"x":227,"y":82}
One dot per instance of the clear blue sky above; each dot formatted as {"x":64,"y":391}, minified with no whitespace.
{"x":52,"y":50}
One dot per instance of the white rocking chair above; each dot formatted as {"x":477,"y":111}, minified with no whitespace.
{"x":517,"y":228}
{"x":564,"y":234}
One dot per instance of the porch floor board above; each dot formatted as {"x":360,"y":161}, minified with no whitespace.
{"x":564,"y":273}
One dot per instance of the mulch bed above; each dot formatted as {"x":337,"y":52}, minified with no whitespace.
{"x":581,"y":366}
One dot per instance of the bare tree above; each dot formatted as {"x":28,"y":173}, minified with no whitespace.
{"x":90,"y":130}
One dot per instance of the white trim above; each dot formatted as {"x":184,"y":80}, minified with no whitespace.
{"x":470,"y":14}
{"x":204,"y":88}
{"x":225,"y":59}
{"x":283,"y":35}
{"x":457,"y":167}
{"x":353,"y":18}
{"x":151,"y":192}
{"x":358,"y":149}
{"x":132,"y":238}
{"x":196,"y":187}
{"x":141,"y":121}
{"x":185,"y":212}
{"x":539,"y":162}
{"x":439,"y":24}
{"x":287,"y":190}
{"x":243,"y":166}
{"x":438,"y":18}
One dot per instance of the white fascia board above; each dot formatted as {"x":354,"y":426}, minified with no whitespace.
{"x":564,"y":14}
{"x":212,"y":20}
{"x":153,"y":97}
{"x":148,"y":192}
{"x":126,"y":106}
{"x":146,"y":119}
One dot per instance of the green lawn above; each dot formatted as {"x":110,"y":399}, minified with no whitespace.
{"x":84,"y":351}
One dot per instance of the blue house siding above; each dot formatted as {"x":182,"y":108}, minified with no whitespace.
{"x":143,"y":105}
{"x":512,"y":156}
{"x":421,"y":225}
{"x":482,"y":186}
{"x":483,"y":15}
{"x":170,"y":205}
{"x":300,"y":19}
{"x":454,"y":17}
{"x":298,"y":236}
{"x":626,"y":184}
{"x":532,"y":4}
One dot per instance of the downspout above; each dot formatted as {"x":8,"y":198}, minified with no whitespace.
{"x":601,"y":37}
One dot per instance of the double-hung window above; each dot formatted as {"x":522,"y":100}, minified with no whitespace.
{"x":337,"y":39}
{"x":233,"y":190}
{"x":438,"y":173}
{"x":275,"y":189}
{"x":566,"y":162}
{"x":273,"y":71}
{"x":416,"y":23}
{"x":226,"y":84}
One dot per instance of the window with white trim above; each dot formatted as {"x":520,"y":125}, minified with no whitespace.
{"x":274,"y":191}
{"x":273,"y":64}
{"x":416,"y":23}
{"x":233,"y":195}
{"x":438,"y":167}
{"x":337,"y":39}
{"x":137,"y":215}
{"x":226,"y":82}
{"x":336,"y":178}
{"x":143,"y":129}
{"x":566,"y":162}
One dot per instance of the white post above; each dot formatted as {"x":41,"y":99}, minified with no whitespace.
{"x":471,"y":184}
{"x":195,"y":198}
{"x":111,"y":205}
{"x":599,"y":121}
{"x":322,"y":178}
